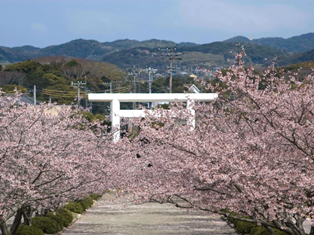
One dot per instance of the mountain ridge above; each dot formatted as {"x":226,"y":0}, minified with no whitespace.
{"x":300,"y":43}
{"x":125,"y":52}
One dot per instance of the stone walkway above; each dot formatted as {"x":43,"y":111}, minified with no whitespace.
{"x":114,"y":218}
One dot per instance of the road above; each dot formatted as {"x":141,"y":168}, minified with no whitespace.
{"x":110,"y":217}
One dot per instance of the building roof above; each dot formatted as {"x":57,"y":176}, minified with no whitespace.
{"x":24,"y":99}
{"x":28,"y":99}
{"x":192,"y":88}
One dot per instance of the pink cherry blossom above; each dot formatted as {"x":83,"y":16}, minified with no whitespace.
{"x":252,"y":151}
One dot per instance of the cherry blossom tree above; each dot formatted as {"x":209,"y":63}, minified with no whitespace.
{"x":251,"y":152}
{"x":47,"y":161}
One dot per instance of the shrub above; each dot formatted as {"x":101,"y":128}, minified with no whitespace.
{"x":74,"y":207}
{"x":260,"y":230}
{"x":56,"y":217}
{"x":28,"y":230}
{"x":243,"y":227}
{"x":95,"y":196}
{"x":86,"y":202}
{"x":67,"y":216}
{"x":46,"y":224}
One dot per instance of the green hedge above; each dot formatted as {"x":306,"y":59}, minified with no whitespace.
{"x":28,"y":230}
{"x":67,"y":216}
{"x":46,"y":224}
{"x":74,"y":207}
{"x":80,"y":206}
{"x":86,"y":202}
{"x":56,"y":217}
{"x":244,"y":227}
{"x":95,"y":196}
{"x":54,"y":222}
{"x":259,"y":230}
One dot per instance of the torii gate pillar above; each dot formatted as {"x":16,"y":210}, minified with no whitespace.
{"x":115,"y":117}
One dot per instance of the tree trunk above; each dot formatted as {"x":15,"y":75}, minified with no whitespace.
{"x":4,"y":227}
{"x":312,"y":230}
{"x":27,"y":215}
{"x":269,"y":229}
{"x":17,"y":221}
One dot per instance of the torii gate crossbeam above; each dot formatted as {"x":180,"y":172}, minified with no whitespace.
{"x":115,"y":99}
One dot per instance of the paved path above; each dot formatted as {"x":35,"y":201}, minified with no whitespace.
{"x":114,"y":218}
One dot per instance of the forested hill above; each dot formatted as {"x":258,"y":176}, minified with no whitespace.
{"x":217,"y":54}
{"x":80,"y":48}
{"x":300,"y":43}
{"x":126,"y":52}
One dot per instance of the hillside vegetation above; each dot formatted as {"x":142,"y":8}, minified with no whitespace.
{"x":53,"y":77}
{"x":127,"y":53}
{"x":294,"y":44}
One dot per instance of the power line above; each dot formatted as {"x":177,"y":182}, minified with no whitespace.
{"x":78,"y":86}
{"x":110,"y":85}
{"x":149,"y":71}
{"x":170,"y":52}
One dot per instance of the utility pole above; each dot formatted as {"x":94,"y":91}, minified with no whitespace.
{"x":133,"y":75}
{"x":170,"y":78}
{"x":170,"y":52}
{"x":149,"y":70}
{"x":78,"y":85}
{"x":34,"y":94}
{"x":118,"y":90}
{"x":149,"y":80}
{"x":110,"y":85}
{"x":85,"y":89}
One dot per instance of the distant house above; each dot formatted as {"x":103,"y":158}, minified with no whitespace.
{"x":28,"y":99}
{"x":193,"y":76}
{"x":24,"y":98}
{"x":55,"y":109}
{"x":192,"y":88}
{"x":49,"y":109}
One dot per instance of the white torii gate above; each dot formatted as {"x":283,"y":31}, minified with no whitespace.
{"x":115,"y":99}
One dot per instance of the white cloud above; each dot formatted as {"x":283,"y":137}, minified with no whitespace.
{"x":39,"y":27}
{"x":234,"y":17}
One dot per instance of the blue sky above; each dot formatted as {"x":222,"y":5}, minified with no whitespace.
{"x":43,"y":23}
